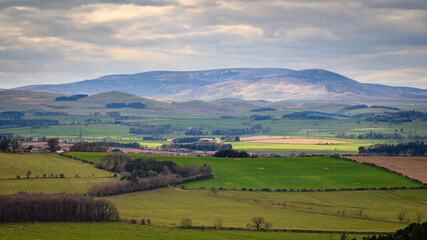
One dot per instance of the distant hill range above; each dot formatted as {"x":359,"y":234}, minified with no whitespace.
{"x":269,"y":84}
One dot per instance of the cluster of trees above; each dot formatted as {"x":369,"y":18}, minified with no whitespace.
{"x":12,"y":115}
{"x":384,"y":107}
{"x":398,"y":117}
{"x":399,"y":149}
{"x":230,"y":139}
{"x":163,"y":179}
{"x":229,"y":117}
{"x":50,"y":114}
{"x":415,"y":231}
{"x":8,"y":145}
{"x":260,"y":117}
{"x":194,"y":131}
{"x":151,"y":130}
{"x":263,"y":109}
{"x":144,"y":174}
{"x":370,"y":135}
{"x":306,"y":115}
{"x":155,"y":138}
{"x":53,"y":144}
{"x":148,"y":167}
{"x":233,"y":154}
{"x":113,"y":162}
{"x":88,"y":147}
{"x":71,"y":98}
{"x":33,"y":123}
{"x":234,"y":131}
{"x":258,"y":223}
{"x":55,"y":207}
{"x":354,"y":107}
{"x":136,"y":105}
{"x":198,"y":146}
{"x":186,"y":140}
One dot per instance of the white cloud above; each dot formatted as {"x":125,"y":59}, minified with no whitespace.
{"x":100,"y":13}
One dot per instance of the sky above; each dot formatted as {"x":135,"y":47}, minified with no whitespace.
{"x":60,"y":41}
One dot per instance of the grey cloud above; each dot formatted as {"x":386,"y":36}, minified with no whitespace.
{"x":406,"y":4}
{"x":338,"y":35}
{"x":67,"y":4}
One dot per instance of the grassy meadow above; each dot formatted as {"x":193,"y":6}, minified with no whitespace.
{"x":119,"y":231}
{"x":78,"y":176}
{"x":280,"y":173}
{"x":335,"y":211}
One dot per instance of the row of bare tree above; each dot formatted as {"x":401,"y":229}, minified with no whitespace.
{"x":55,"y":207}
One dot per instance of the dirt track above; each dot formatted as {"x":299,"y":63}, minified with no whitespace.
{"x":414,"y":167}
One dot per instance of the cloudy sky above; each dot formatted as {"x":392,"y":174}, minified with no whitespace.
{"x":57,"y":41}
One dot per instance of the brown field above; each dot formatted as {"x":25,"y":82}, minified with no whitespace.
{"x":414,"y":167}
{"x":290,"y":140}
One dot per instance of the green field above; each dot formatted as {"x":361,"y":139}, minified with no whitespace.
{"x":309,"y":210}
{"x":297,"y":148}
{"x":114,"y":230}
{"x":77,"y":175}
{"x":279,"y":173}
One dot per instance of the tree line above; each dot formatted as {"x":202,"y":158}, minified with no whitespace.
{"x":144,"y":174}
{"x":136,"y":105}
{"x":88,"y":147}
{"x":399,"y":149}
{"x":398,"y":117}
{"x":233,"y":154}
{"x":55,"y":207}
{"x":71,"y":98}
{"x":234,"y":131}
{"x":33,"y":123}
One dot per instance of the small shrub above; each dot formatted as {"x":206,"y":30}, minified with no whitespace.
{"x":218,"y":224}
{"x":186,"y":222}
{"x":18,"y":177}
{"x":133,"y":221}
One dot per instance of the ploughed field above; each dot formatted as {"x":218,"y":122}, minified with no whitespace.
{"x":414,"y":167}
{"x":282,"y":173}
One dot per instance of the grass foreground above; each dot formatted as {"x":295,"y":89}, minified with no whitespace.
{"x":282,"y":173}
{"x":117,"y":230}
{"x":327,"y":211}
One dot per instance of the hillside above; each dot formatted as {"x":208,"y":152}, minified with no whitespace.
{"x":270,"y":84}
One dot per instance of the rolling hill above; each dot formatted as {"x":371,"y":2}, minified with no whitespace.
{"x":270,"y":84}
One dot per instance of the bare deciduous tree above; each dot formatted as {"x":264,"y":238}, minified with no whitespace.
{"x":401,"y":215}
{"x":419,"y":218}
{"x":213,"y":191}
{"x":258,"y":222}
